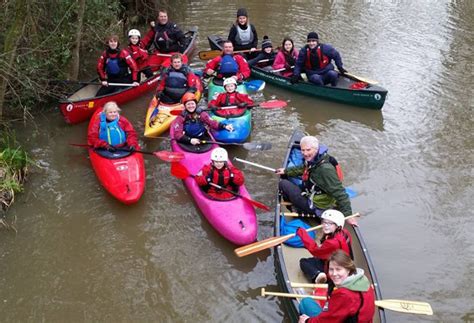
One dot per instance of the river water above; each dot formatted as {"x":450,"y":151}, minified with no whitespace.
{"x":81,"y":256}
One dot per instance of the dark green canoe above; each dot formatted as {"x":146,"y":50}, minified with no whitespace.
{"x":371,"y":96}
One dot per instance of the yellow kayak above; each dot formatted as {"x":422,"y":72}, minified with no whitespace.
{"x":158,"y":117}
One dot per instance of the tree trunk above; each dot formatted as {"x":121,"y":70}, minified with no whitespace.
{"x":10,"y":45}
{"x":74,"y":70}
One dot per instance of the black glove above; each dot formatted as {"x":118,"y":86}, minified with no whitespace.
{"x":342,"y":70}
{"x":112,"y":149}
{"x":157,"y":95}
{"x":131,"y":149}
{"x":209,"y":179}
{"x":242,"y":105}
{"x":295,"y":79}
{"x":213,"y":107}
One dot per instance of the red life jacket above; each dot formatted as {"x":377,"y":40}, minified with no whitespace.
{"x":321,"y":61}
{"x":221,"y":177}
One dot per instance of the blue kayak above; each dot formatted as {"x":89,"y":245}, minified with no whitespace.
{"x":241,"y":120}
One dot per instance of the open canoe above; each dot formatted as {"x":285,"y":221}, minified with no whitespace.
{"x":158,"y":118}
{"x":234,"y":219}
{"x":122,"y":174}
{"x":287,"y":258}
{"x":370,"y":96}
{"x":80,"y":106}
{"x":242,"y":123}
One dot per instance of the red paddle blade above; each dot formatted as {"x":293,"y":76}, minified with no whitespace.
{"x":169,"y":156}
{"x":176,"y":112}
{"x":179,"y":171}
{"x":257,"y":204}
{"x":273,"y":104}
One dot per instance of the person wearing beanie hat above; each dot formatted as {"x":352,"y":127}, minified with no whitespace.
{"x":243,"y":34}
{"x":266,"y":57}
{"x":286,"y":58}
{"x":113,"y":65}
{"x":191,"y":126}
{"x":315,"y":59}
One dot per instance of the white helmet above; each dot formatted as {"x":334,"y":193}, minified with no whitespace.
{"x":230,"y":80}
{"x":219,"y":154}
{"x":134,"y":32}
{"x":334,"y":216}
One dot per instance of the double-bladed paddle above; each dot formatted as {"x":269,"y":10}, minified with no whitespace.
{"x":252,"y":146}
{"x":274,"y":241}
{"x":169,"y":156}
{"x":398,"y":305}
{"x":210,"y":54}
{"x":92,"y":83}
{"x":181,"y":172}
{"x":270,"y":104}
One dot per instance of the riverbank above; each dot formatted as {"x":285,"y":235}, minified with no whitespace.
{"x":14,"y":163}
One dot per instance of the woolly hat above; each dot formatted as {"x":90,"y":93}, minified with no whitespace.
{"x":266,"y":42}
{"x":242,"y":12}
{"x":313,"y":35}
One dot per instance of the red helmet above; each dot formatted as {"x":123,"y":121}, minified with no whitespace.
{"x":188,"y":96}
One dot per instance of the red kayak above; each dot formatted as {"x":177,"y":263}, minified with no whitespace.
{"x":83,"y":103}
{"x":121,"y":173}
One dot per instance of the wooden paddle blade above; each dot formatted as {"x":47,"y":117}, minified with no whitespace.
{"x":209,"y":54}
{"x":360,"y":78}
{"x":273,"y":104}
{"x":179,"y":171}
{"x":169,"y":156}
{"x":261,"y":245}
{"x":257,"y":145}
{"x":405,"y":306}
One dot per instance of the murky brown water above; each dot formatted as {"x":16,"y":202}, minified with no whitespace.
{"x":81,"y":256}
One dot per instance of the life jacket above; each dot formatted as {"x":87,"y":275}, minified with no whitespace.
{"x":308,"y":184}
{"x":111,"y":132}
{"x":162,"y":41}
{"x":230,"y":100}
{"x":115,"y":66}
{"x":228,"y":66}
{"x":193,"y":126}
{"x":176,"y":83}
{"x":244,"y":36}
{"x":221,"y":177}
{"x":315,"y":61}
{"x":344,"y":240}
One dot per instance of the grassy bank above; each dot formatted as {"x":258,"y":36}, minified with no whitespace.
{"x":14,"y":162}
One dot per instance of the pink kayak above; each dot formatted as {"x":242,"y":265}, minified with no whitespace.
{"x":122,"y":174}
{"x":234,"y":219}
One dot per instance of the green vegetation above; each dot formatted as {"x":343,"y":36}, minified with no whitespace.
{"x":14,"y":162}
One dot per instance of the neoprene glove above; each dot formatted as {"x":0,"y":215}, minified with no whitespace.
{"x":112,"y":149}
{"x":342,"y":70}
{"x":242,"y":105}
{"x":131,"y":149}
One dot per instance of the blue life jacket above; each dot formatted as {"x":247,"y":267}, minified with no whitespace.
{"x":176,"y":83}
{"x":111,"y":131}
{"x":116,"y":66}
{"x":228,"y":66}
{"x":291,"y":227}
{"x":194,"y":127}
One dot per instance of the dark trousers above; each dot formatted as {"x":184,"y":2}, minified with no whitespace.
{"x":292,"y":193}
{"x":111,"y":89}
{"x":325,"y":78}
{"x":311,"y":267}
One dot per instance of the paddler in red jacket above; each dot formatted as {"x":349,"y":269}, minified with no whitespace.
{"x":335,"y":237}
{"x":352,"y":298}
{"x":240,"y":101}
{"x":113,"y":66}
{"x":221,"y":173}
{"x":138,"y":54}
{"x":111,"y":131}
{"x":228,"y":64}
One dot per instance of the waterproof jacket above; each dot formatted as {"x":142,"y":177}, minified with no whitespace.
{"x":355,"y":295}
{"x":326,"y":51}
{"x":201,"y":117}
{"x":130,"y":134}
{"x":286,"y":61}
{"x":323,"y":184}
{"x":125,"y":61}
{"x":235,"y":39}
{"x":165,"y":38}
{"x":242,"y":73}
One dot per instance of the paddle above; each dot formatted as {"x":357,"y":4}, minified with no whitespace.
{"x":210,"y":54}
{"x":350,"y":192}
{"x":274,"y":241}
{"x":181,"y":172}
{"x":281,"y":69}
{"x":169,"y":156}
{"x":403,"y":306}
{"x":252,"y":146}
{"x":271,"y":104}
{"x":358,"y":78}
{"x":92,"y":83}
